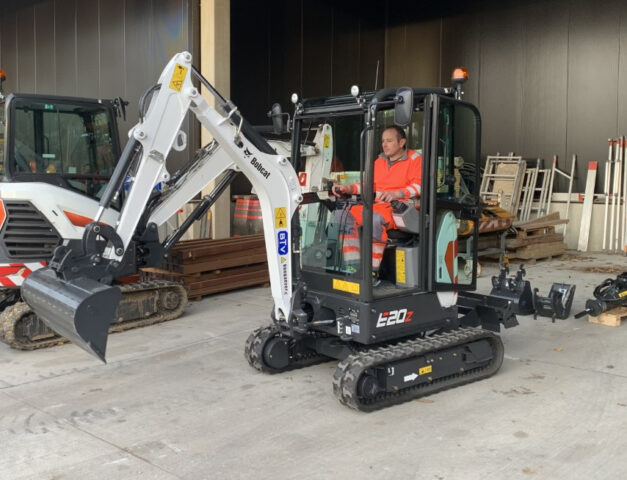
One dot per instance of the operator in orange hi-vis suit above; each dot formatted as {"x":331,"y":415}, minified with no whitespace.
{"x":397,"y":176}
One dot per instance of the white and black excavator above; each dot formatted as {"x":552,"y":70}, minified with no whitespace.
{"x":57,"y":154}
{"x":422,"y":330}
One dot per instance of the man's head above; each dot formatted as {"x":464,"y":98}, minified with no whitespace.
{"x":393,"y":140}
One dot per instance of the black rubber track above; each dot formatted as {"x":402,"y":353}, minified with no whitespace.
{"x":348,"y":372}
{"x":256,"y":343}
{"x":173,"y":308}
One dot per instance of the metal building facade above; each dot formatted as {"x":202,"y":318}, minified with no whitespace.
{"x":96,"y":48}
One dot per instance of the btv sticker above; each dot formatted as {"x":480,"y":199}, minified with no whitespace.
{"x":282,"y":241}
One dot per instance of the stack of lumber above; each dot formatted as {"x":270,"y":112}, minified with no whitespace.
{"x":210,"y":266}
{"x":537,"y":238}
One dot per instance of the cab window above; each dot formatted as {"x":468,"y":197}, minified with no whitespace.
{"x":70,"y":140}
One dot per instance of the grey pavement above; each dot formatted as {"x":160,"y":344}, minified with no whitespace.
{"x":179,"y":401}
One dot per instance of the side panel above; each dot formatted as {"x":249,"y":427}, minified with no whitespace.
{"x":381,"y":320}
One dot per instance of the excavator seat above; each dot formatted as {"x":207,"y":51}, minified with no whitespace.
{"x":399,"y":237}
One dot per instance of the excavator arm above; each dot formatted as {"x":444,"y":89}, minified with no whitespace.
{"x":74,"y":296}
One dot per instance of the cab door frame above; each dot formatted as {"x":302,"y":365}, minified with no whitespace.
{"x":470,"y":209}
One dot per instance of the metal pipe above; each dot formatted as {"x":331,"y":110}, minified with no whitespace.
{"x":624,"y":234}
{"x":606,"y":188}
{"x":619,"y":178}
{"x":613,"y":208}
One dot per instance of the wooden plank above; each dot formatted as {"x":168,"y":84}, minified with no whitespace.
{"x":184,"y":253}
{"x":611,"y":318}
{"x":541,"y":250}
{"x":535,"y":233}
{"x":232,"y":259}
{"x":231,"y":281}
{"x":586,"y":215}
{"x":177,"y":263}
{"x":186,"y":244}
{"x":539,"y":225}
{"x":200,"y":284}
{"x":546,"y":218}
{"x":513,"y":243}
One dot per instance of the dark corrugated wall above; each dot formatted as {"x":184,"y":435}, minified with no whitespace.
{"x":314,"y":48}
{"x":97,"y":48}
{"x":549,"y":76}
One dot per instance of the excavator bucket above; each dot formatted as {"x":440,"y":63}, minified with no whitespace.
{"x":80,"y":309}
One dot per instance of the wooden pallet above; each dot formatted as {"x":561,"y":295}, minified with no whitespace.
{"x":213,"y":266}
{"x":540,"y":250}
{"x":536,"y":239}
{"x":611,"y":318}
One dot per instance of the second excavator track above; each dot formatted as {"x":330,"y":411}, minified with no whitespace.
{"x":143,"y":303}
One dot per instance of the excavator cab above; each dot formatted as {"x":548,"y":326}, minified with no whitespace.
{"x":423,"y":252}
{"x":68,"y":142}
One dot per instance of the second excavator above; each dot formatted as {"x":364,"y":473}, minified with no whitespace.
{"x":57,"y":155}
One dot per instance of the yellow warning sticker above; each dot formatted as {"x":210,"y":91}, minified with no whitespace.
{"x":280,"y":217}
{"x":400,"y":266}
{"x":344,"y":286}
{"x":178,"y":77}
{"x":425,"y":370}
{"x":327,"y":141}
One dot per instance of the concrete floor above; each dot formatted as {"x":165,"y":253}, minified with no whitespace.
{"x":179,"y":401}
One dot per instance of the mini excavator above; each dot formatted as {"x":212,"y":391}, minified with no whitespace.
{"x":57,"y":154}
{"x":422,"y":330}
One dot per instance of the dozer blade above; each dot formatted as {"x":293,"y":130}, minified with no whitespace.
{"x":80,"y":309}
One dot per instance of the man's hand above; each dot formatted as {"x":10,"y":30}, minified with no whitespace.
{"x":340,"y":190}
{"x":390,"y":195}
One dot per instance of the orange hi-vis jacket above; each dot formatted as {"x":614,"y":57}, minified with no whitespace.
{"x":404,"y":175}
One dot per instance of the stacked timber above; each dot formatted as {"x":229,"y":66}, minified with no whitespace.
{"x":211,"y":266}
{"x":537,"y":238}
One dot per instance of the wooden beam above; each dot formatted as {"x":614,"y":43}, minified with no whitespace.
{"x":215,"y":65}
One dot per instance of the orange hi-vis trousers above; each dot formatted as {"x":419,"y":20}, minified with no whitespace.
{"x":351,"y":220}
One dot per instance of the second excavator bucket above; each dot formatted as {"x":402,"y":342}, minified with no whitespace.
{"x":80,"y":309}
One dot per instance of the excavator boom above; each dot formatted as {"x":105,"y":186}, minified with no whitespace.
{"x":73,"y":294}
